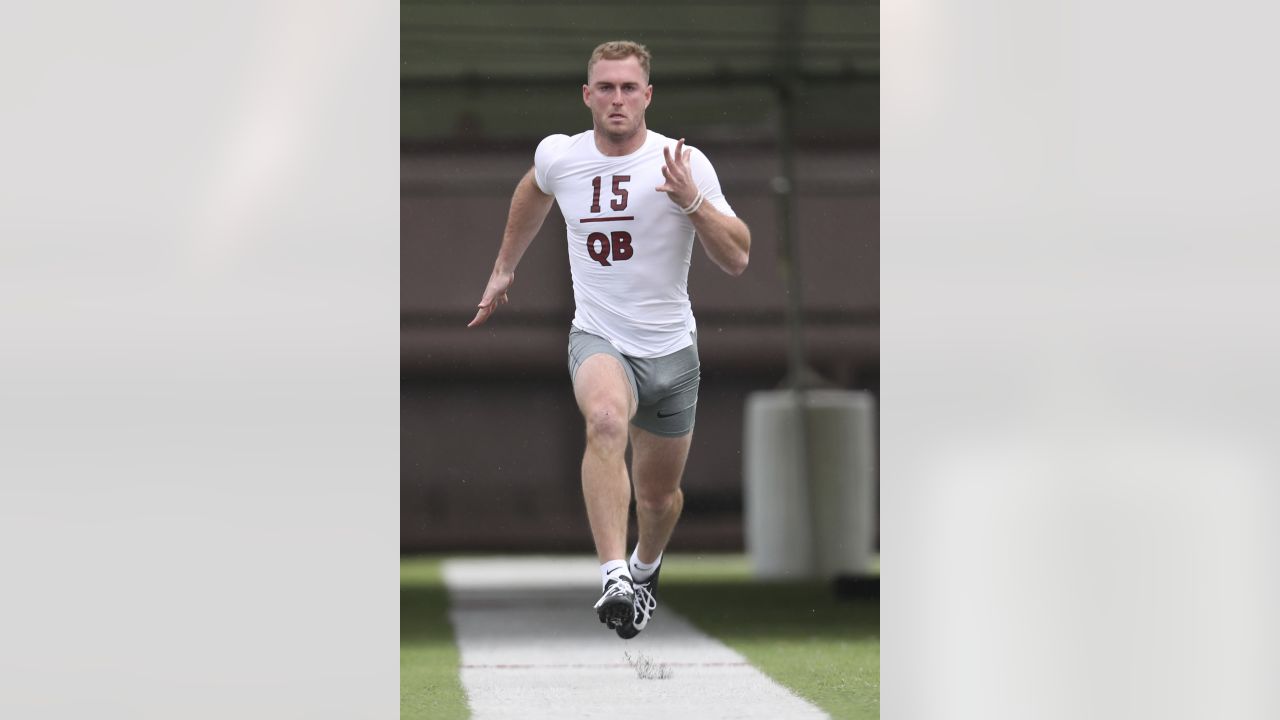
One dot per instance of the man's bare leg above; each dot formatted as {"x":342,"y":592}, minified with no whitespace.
{"x":607,"y":404}
{"x":657,"y":464}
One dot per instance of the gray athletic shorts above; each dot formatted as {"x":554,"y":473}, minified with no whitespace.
{"x":665,"y":388}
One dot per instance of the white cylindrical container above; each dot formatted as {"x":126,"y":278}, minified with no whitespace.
{"x":825,"y":528}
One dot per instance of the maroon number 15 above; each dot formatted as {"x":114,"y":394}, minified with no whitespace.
{"x":619,"y":202}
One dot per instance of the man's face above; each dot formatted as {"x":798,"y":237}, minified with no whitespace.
{"x":617,"y":93}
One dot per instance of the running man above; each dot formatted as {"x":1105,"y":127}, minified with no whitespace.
{"x":633,"y":201}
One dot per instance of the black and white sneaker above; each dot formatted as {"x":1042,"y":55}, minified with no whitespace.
{"x":617,"y":605}
{"x":646,"y":603}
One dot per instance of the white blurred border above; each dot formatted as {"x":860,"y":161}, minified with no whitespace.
{"x":199,"y":360}
{"x":1079,"y":352}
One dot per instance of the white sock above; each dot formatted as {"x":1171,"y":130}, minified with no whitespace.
{"x":642,"y":571}
{"x":613,"y":568}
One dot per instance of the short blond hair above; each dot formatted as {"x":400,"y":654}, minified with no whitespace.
{"x":620,"y":50}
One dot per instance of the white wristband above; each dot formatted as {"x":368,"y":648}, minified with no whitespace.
{"x":693,"y":206}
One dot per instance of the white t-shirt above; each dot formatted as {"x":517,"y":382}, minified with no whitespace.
{"x":629,"y":245}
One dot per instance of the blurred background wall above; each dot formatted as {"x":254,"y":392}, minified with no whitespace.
{"x":491,"y":439}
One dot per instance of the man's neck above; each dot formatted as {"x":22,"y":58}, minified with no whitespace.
{"x":609,"y":148}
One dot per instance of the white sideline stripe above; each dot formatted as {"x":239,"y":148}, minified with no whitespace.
{"x":532,"y":648}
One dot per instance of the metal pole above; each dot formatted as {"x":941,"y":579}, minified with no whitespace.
{"x":784,"y":186}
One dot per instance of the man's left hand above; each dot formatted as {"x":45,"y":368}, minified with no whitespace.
{"x":679,"y":185}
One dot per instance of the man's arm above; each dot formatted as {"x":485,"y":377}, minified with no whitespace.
{"x":726,"y":239}
{"x":529,"y":207}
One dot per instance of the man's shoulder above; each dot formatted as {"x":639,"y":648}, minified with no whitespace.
{"x":548,"y":159}
{"x":559,"y":144}
{"x":657,"y":138}
{"x":658,"y":141}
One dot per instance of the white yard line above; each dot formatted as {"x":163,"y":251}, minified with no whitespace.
{"x":533,"y":648}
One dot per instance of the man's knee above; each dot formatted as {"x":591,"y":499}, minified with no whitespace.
{"x":607,"y":427}
{"x":661,"y":501}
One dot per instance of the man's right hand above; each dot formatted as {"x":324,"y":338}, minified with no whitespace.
{"x":495,"y":294}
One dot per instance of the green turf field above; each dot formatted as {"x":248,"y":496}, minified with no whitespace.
{"x":429,"y":684}
{"x":823,"y":649}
